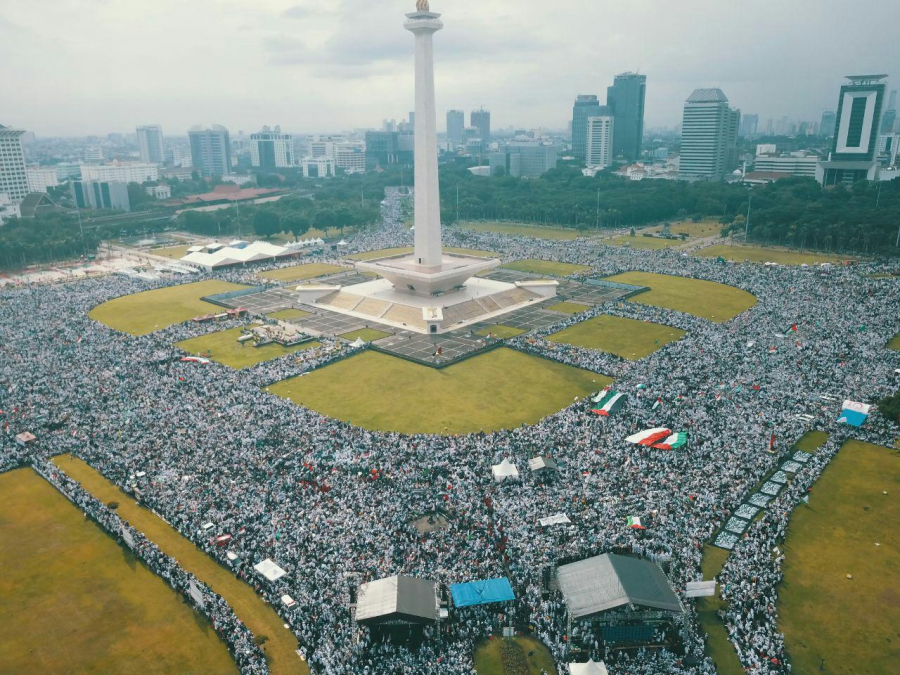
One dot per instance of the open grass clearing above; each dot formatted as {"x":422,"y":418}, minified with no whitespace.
{"x":706,"y":299}
{"x":811,"y":441}
{"x":380,"y":253}
{"x":894,"y":343}
{"x":646,"y":243}
{"x":250,"y":608}
{"x":74,"y":601}
{"x":302,"y":272}
{"x":288,"y":314}
{"x":718,"y":647}
{"x":524,"y":230}
{"x":759,"y":254}
{"x":489,"y":659}
{"x":366,"y":334}
{"x":547,"y":267}
{"x":848,"y":528}
{"x":568,"y":307}
{"x":173,"y":252}
{"x":150,"y":311}
{"x":500,"y":331}
{"x":710,"y":227}
{"x":500,"y":389}
{"x":223,"y":347}
{"x":628,"y":338}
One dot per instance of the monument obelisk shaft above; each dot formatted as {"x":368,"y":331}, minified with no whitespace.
{"x":424,"y":24}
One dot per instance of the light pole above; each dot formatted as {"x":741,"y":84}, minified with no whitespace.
{"x":747,"y":226}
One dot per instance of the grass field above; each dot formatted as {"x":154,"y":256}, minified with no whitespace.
{"x":811,"y":441}
{"x":380,"y":253}
{"x":250,"y":608}
{"x":553,"y":269}
{"x":523,"y":230}
{"x":150,"y":311}
{"x":757,"y":254}
{"x":646,"y":243}
{"x":488,"y":660}
{"x":500,"y":331}
{"x":568,"y":307}
{"x":708,"y":300}
{"x":718,"y":647}
{"x":501,"y":389}
{"x":224,"y":348}
{"x":173,"y":252}
{"x":367,"y":335}
{"x":74,"y":601}
{"x":627,"y":338}
{"x":288,"y":314}
{"x":894,"y":343}
{"x":301,"y":272}
{"x":851,"y":623}
{"x":702,"y":230}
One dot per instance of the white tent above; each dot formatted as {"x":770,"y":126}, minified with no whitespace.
{"x":505,"y":470}
{"x":589,"y":668}
{"x":359,"y":343}
{"x":342,"y":243}
{"x":269,"y":570}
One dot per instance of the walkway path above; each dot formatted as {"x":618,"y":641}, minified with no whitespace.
{"x":259,"y":617}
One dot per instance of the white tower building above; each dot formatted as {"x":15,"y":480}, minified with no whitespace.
{"x":599,"y":145}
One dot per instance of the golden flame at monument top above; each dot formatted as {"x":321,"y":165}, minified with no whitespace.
{"x":422,"y":6}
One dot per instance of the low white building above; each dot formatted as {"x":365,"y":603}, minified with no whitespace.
{"x":8,"y":209}
{"x":40,"y":178}
{"x":795,"y":164}
{"x":159,"y":191}
{"x":350,"y":157}
{"x":120,"y":172}
{"x":318,"y":167}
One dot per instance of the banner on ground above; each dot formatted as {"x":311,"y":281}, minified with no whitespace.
{"x":854,"y":413}
{"x":700,"y":589}
{"x":126,"y":536}
{"x":196,"y":593}
{"x":558,"y":519}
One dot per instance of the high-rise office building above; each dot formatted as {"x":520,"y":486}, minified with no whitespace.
{"x":270,"y":150}
{"x":826,"y":126}
{"x":210,"y":150}
{"x":150,"y":141}
{"x":853,"y":150}
{"x":600,"y":141}
{"x":749,"y":126}
{"x":708,"y":135}
{"x":586,"y":105}
{"x":731,"y":136}
{"x":482,"y":120}
{"x":92,"y":194}
{"x":889,"y":118}
{"x":456,"y":122}
{"x":13,"y":177}
{"x":626,"y":100}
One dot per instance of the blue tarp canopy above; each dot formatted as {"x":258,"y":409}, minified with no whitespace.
{"x":482,"y":592}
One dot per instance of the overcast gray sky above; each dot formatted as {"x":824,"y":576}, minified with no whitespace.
{"x":73,"y":67}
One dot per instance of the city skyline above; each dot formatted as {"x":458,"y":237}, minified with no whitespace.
{"x":333,"y":52}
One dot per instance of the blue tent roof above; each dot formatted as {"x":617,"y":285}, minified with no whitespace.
{"x":482,"y":592}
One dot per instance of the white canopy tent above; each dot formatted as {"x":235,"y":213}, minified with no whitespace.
{"x":589,"y":668}
{"x":505,"y":470}
{"x":269,"y":570}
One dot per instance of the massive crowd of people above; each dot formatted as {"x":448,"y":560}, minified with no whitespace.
{"x":334,"y":504}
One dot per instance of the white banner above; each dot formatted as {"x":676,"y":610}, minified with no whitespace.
{"x":700,"y":589}
{"x":558,"y":519}
{"x":196,"y":593}
{"x":126,"y":535}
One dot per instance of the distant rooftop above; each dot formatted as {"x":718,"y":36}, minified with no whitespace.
{"x":708,"y":96}
{"x":865,"y":79}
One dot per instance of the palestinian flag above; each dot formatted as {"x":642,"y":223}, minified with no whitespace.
{"x":609,"y":404}
{"x":656,"y":403}
{"x":672,"y":442}
{"x":649,"y":436}
{"x":195,"y":359}
{"x":602,"y":394}
{"x":793,"y":328}
{"x":634,"y":522}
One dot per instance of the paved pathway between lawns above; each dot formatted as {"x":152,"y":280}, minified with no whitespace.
{"x":249,"y":607}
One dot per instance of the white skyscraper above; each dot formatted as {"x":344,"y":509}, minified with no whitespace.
{"x":599,"y":143}
{"x":271,"y":149}
{"x":150,"y":141}
{"x":13,"y":177}
{"x":708,"y":133}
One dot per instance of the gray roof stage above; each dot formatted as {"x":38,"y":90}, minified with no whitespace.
{"x":608,"y":581}
{"x":397,"y":598}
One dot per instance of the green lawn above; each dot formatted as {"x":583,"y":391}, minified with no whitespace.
{"x":74,"y":601}
{"x":708,"y":300}
{"x":718,"y":646}
{"x":894,"y":343}
{"x":757,"y":254}
{"x":647,"y":243}
{"x":523,"y":230}
{"x":811,"y":441}
{"x":627,"y":338}
{"x":301,"y":272}
{"x":488,"y":658}
{"x":288,"y":314}
{"x":568,"y":307}
{"x":367,"y":335}
{"x":380,"y":253}
{"x":702,"y":230}
{"x":248,"y":606}
{"x":173,"y":252}
{"x":851,"y":623}
{"x":500,"y":331}
{"x":223,"y":347}
{"x":553,"y":269}
{"x":150,"y":311}
{"x":501,"y":389}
